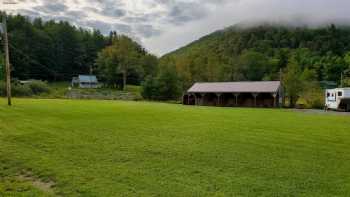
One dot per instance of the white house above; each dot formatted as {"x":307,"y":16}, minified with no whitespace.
{"x":85,"y":81}
{"x":338,"y":99}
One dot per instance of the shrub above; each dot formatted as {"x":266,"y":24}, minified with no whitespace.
{"x":39,"y":87}
{"x":166,"y":86}
{"x":313,"y":96}
{"x":21,"y":90}
{"x":149,"y":88}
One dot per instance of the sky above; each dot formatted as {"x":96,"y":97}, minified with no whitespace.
{"x":162,"y":26}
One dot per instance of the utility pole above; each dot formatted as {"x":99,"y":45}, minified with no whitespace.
{"x":7,"y":53}
{"x":7,"y":61}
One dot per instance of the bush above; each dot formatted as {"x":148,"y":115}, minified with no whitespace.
{"x":313,"y":96}
{"x":21,"y":90}
{"x":149,"y":88}
{"x":39,"y":87}
{"x":166,"y":86}
{"x":30,"y":89}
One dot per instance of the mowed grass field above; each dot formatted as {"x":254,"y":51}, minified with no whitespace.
{"x":115,"y":148}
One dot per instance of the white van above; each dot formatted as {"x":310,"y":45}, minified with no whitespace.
{"x":338,"y":99}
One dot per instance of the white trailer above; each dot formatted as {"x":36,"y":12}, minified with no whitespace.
{"x":338,"y":99}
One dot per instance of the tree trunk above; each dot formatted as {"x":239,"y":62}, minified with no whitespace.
{"x":124,"y":79}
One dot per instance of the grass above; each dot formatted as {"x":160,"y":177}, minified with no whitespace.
{"x":117,"y":148}
{"x":59,"y":90}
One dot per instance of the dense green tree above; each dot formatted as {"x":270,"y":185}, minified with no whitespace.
{"x":168,"y":82}
{"x":124,"y":56}
{"x":149,"y":65}
{"x":253,"y":65}
{"x":165,"y":86}
{"x":150,"y":88}
{"x":292,"y":82}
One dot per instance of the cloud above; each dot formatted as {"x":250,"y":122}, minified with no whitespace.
{"x":50,"y":7}
{"x":164,"y":25}
{"x":147,"y":31}
{"x":184,"y":12}
{"x":102,"y":26}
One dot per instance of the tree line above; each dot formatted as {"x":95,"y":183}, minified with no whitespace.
{"x":305,"y":56}
{"x":57,"y":51}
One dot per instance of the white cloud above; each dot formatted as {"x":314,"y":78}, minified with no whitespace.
{"x":164,"y":25}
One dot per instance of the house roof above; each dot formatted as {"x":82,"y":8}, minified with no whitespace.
{"x":87,"y":78}
{"x":236,"y":87}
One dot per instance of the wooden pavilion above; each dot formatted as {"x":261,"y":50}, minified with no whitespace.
{"x":235,"y":94}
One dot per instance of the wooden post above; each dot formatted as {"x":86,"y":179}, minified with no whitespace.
{"x":218,"y":103}
{"x":236,"y":98}
{"x":255,"y":95}
{"x":274,"y":99}
{"x":202,"y":98}
{"x":195,"y":99}
{"x":7,"y":61}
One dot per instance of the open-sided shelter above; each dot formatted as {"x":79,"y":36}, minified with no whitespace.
{"x":240,"y":94}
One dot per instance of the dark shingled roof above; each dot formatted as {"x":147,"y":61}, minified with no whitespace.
{"x":236,"y":87}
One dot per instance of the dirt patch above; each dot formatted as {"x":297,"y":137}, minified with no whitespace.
{"x":45,"y":186}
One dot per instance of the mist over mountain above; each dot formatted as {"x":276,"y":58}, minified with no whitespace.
{"x":259,"y":51}
{"x":164,"y":25}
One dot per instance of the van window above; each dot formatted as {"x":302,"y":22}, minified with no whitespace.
{"x":340,"y":93}
{"x":328,"y":94}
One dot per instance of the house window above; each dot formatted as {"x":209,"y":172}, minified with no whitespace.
{"x":340,"y":93}
{"x":328,"y":94}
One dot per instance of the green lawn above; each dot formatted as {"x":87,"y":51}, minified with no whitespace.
{"x":115,"y":148}
{"x":59,"y":90}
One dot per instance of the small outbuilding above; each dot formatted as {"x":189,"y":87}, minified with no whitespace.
{"x":235,"y":94}
{"x":85,"y":81}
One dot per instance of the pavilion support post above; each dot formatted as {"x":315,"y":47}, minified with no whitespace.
{"x":274,"y":99}
{"x":236,"y":99}
{"x":255,"y":95}
{"x":218,"y":102}
{"x":202,"y":98}
{"x":195,"y":99}
{"x":188,"y":99}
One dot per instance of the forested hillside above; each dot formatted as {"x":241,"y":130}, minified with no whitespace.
{"x":58,"y":50}
{"x":51,"y":50}
{"x":259,"y":53}
{"x":301,"y":56}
